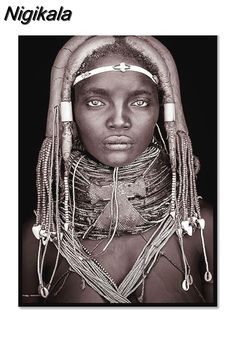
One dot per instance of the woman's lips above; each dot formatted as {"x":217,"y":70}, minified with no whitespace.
{"x":118,"y":142}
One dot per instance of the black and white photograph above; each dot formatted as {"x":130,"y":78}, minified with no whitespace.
{"x":117,"y":176}
{"x":117,"y":170}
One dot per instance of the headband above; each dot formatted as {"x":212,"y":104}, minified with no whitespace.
{"x":122,"y":67}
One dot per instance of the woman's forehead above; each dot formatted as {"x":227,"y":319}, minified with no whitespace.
{"x":116,"y":79}
{"x":112,"y":59}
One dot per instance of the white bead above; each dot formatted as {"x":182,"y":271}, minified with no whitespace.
{"x":208,"y":276}
{"x":36,"y":231}
{"x":185,"y":225}
{"x":201,"y":223}
{"x":66,"y":112}
{"x":190,"y":230}
{"x":185,"y":285}
{"x":43,"y":291}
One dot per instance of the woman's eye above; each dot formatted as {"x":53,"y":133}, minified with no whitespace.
{"x":95,"y":103}
{"x":140,"y":103}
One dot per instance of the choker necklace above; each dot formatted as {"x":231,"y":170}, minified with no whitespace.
{"x":129,"y":199}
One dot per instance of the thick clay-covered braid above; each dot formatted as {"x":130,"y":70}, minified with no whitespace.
{"x":39,"y":186}
{"x":41,"y":182}
{"x":185,"y":176}
{"x":180,"y":167}
{"x":45,"y":173}
{"x":45,"y":185}
{"x":192,"y":178}
{"x":195,"y":194}
{"x":66,"y":151}
{"x":50,"y":224}
{"x":171,"y":136}
{"x":57,"y":180}
{"x":66,"y":140}
{"x":184,"y":197}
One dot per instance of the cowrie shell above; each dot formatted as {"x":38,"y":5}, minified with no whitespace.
{"x":185,"y":285}
{"x":36,"y":231}
{"x":208,"y":276}
{"x":43,"y":291}
{"x":185,"y":225}
{"x":201,"y":223}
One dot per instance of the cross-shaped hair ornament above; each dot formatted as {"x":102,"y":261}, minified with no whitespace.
{"x":122,"y":67}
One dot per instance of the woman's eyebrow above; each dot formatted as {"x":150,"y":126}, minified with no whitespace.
{"x":94,"y":91}
{"x":140,"y":92}
{"x":104,"y":92}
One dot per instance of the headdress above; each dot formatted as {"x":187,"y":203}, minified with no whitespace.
{"x":184,"y":212}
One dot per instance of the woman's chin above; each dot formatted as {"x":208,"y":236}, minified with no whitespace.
{"x":117,"y":159}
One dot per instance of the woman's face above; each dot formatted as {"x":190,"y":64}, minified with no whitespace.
{"x":116,"y":113}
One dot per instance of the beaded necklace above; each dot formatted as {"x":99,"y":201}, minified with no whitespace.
{"x":143,"y":193}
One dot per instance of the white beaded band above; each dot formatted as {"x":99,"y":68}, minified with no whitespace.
{"x":122,"y":67}
{"x":169,"y":112}
{"x":66,"y":112}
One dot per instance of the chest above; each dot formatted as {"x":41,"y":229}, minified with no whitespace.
{"x":162,"y":283}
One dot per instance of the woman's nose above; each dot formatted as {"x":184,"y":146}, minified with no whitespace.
{"x":119,"y":117}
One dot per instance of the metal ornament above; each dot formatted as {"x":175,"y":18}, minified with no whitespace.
{"x":129,"y":217}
